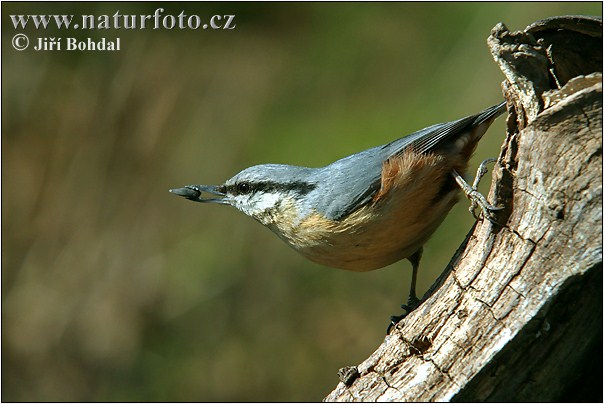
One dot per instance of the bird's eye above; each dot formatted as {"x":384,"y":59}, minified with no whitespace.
{"x":243,"y":187}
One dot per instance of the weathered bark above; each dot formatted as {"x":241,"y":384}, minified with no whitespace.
{"x":517,"y":314}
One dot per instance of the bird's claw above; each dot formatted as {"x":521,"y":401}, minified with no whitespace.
{"x":477,"y":199}
{"x":411,"y":305}
{"x":482,"y":170}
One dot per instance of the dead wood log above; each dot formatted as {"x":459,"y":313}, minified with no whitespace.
{"x":517,"y":314}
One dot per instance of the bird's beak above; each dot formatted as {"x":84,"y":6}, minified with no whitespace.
{"x":194,"y":193}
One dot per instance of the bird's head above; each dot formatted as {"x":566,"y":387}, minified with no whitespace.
{"x":266,"y":192}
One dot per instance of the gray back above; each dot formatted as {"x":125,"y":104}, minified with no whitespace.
{"x":351,"y":182}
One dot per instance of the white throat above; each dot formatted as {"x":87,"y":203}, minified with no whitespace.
{"x":262,"y":206}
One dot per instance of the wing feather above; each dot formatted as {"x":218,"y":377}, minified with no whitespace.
{"x":358,"y":177}
{"x":432,"y":137}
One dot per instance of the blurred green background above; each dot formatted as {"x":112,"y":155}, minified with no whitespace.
{"x":113,"y":289}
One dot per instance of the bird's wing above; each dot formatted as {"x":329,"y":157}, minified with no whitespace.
{"x":352,"y":183}
{"x":356,"y":179}
{"x":436,"y":136}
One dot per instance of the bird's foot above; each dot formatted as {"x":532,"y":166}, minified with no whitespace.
{"x":411,"y":305}
{"x":477,"y":199}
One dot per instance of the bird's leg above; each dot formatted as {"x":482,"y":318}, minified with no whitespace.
{"x":471,"y":191}
{"x":413,"y":301}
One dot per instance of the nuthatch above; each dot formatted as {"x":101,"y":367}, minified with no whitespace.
{"x":367,"y":210}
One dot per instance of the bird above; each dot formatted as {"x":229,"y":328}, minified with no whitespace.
{"x":367,"y":210}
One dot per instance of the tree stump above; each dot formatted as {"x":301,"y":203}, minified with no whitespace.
{"x":517,"y":314}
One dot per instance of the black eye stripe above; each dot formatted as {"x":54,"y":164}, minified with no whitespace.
{"x":245,"y":187}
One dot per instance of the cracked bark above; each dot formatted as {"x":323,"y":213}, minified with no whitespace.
{"x":517,"y":314}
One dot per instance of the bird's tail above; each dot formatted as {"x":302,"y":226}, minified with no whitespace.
{"x":478,"y":128}
{"x":490,"y":113}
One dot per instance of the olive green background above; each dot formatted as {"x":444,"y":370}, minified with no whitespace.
{"x":114,"y":289}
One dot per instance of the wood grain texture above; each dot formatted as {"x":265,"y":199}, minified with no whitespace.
{"x":517,"y":314}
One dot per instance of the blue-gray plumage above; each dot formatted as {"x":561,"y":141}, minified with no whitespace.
{"x":367,"y":210}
